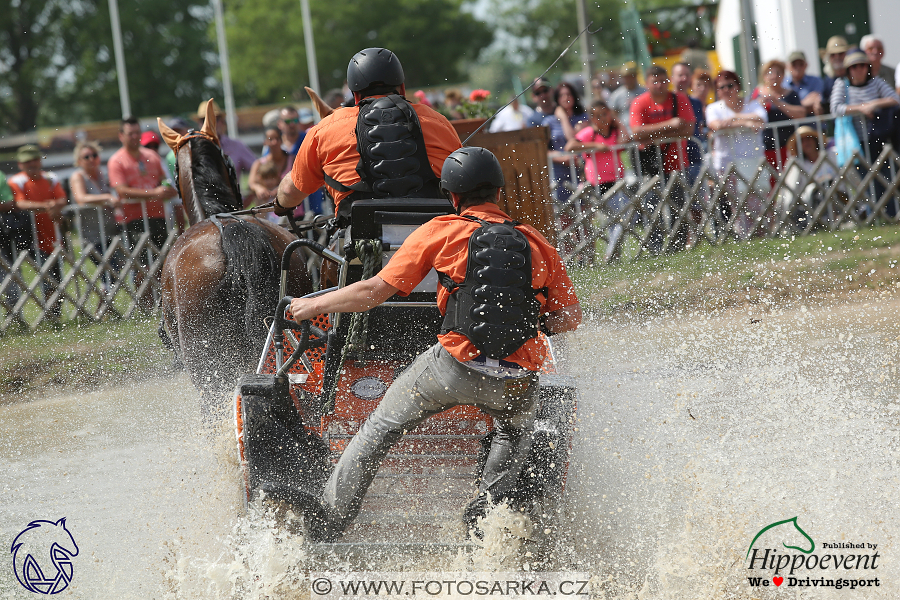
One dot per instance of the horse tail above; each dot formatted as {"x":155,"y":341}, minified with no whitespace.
{"x":252,"y":273}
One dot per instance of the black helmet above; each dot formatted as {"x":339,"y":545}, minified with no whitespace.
{"x":374,"y":67}
{"x":471,"y":168}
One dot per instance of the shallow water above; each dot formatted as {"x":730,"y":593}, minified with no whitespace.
{"x":698,"y":433}
{"x":694,"y":434}
{"x":130,"y":471}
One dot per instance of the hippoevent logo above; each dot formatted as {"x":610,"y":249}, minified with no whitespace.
{"x":839,"y":565}
{"x":42,"y":556}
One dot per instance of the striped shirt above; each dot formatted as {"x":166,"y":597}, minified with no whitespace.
{"x":843,"y":95}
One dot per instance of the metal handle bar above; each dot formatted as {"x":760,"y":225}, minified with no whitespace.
{"x":312,"y":245}
{"x":303,"y":344}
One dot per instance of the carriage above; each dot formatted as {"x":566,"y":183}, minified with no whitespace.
{"x":316,"y":382}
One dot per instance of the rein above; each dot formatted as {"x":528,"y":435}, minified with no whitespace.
{"x":519,"y":95}
{"x":318,"y":222}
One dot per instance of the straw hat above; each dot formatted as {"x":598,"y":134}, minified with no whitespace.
{"x":794,"y":144}
{"x":836,"y":44}
{"x":857,"y":57}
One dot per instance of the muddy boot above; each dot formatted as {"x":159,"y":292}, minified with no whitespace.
{"x":322,"y":525}
{"x":475,"y":511}
{"x":277,"y":447}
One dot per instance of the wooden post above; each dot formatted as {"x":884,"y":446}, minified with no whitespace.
{"x":523,"y":156}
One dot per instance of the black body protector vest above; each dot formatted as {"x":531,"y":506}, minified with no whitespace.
{"x":495,"y":306}
{"x":393,"y":161}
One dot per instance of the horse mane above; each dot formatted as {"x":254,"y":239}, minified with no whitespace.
{"x":215,"y":192}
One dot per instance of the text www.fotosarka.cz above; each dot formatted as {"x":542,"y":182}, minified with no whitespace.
{"x":334,"y":586}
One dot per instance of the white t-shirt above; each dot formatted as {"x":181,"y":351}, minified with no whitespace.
{"x":735,"y":145}
{"x":510,"y":119}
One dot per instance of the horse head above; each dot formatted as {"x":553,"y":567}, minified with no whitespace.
{"x":206,"y":178}
{"x":36,"y":548}
{"x":323,"y":109}
{"x":788,"y":530}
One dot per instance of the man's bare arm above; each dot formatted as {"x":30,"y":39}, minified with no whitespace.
{"x":40,"y":206}
{"x":288,"y":195}
{"x":357,"y":297}
{"x":668,"y":129}
{"x":748,"y":120}
{"x":160,"y":192}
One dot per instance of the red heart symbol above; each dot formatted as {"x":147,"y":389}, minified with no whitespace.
{"x":778,"y":580}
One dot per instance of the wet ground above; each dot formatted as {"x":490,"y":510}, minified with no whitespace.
{"x":694,"y":435}
{"x":697,"y":434}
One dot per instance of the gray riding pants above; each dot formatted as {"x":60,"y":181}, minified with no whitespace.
{"x":433,"y":383}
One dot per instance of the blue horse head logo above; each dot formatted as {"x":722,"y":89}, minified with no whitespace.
{"x":42,"y":556}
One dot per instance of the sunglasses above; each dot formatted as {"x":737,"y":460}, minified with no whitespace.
{"x":727,"y":86}
{"x":541,"y":91}
{"x":90,"y":156}
{"x":297,"y":120}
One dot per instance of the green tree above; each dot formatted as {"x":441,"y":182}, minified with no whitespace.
{"x":170,"y":60}
{"x":29,"y":65}
{"x":537,"y":31}
{"x":435,"y":41}
{"x":59,"y":67}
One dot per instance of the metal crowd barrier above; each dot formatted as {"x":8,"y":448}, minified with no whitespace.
{"x":640,"y":214}
{"x":95,"y":270}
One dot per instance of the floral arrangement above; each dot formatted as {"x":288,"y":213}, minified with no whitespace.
{"x":476,"y":107}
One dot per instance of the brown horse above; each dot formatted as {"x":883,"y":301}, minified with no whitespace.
{"x":221,"y":278}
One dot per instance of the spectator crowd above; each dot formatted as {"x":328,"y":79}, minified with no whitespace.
{"x":131,"y":195}
{"x":668,"y":125}
{"x":671,"y":124}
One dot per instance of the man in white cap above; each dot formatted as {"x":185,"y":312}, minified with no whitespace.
{"x":621,"y":99}
{"x":833,"y":55}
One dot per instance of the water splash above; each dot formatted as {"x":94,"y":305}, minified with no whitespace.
{"x":694,"y":433}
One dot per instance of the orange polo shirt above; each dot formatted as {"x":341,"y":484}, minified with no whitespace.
{"x":443,"y":244}
{"x":45,"y":189}
{"x":330,"y":147}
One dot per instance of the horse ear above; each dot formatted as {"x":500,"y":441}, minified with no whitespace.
{"x":171,"y":137}
{"x":209,"y":123}
{"x":323,"y":109}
